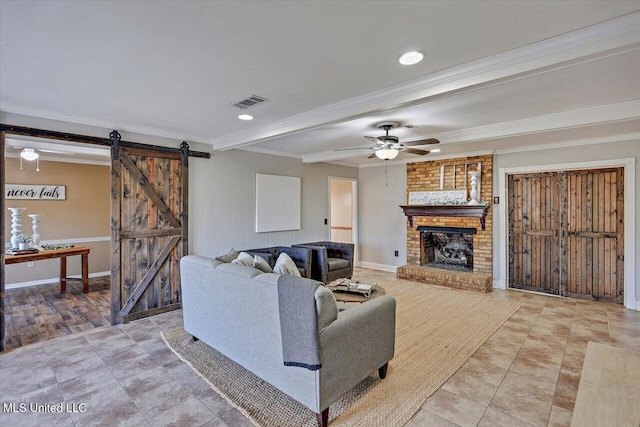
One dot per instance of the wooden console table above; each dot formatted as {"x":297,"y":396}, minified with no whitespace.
{"x":62,"y":254}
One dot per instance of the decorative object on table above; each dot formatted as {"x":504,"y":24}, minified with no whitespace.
{"x":53,"y":246}
{"x":23,"y":241}
{"x":474,"y":188}
{"x":35,"y":222}
{"x":22,"y":251}
{"x":16,"y":225}
{"x":355,"y":287}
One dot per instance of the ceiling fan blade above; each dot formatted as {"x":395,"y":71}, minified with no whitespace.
{"x":421,"y":142}
{"x":428,"y":141}
{"x":354,"y":148}
{"x":373,"y":139}
{"x":415,"y":151}
{"x":56,"y":152}
{"x":373,"y":156}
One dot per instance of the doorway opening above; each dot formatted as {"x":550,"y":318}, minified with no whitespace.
{"x":343,"y":208}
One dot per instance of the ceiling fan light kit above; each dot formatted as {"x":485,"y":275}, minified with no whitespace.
{"x":387,"y":153}
{"x":29,"y":154}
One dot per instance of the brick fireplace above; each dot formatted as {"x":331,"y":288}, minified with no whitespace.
{"x":448,"y":250}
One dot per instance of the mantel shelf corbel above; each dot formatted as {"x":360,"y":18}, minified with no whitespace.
{"x":465,"y":211}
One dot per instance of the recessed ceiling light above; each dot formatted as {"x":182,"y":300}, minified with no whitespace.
{"x":411,"y":58}
{"x":435,"y":150}
{"x":245,"y":117}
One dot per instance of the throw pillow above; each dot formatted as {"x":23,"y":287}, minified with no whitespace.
{"x":261,"y":264}
{"x":230,"y":256}
{"x":243,"y":259}
{"x":285,"y":265}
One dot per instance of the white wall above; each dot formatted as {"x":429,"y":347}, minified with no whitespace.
{"x":382,"y":224}
{"x":222,"y":191}
{"x":223,"y":200}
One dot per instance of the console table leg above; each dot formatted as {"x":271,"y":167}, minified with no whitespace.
{"x":85,"y":272}
{"x":63,"y":274}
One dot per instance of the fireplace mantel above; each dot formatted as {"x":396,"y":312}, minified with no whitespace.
{"x":451,"y":211}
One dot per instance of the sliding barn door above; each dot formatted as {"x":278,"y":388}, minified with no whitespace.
{"x":566,"y":233}
{"x":534,"y":249}
{"x":595,"y":250}
{"x":148,"y":231}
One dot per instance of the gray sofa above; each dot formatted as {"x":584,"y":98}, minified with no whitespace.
{"x":331,"y":260}
{"x":234,"y":309}
{"x":301,"y":256}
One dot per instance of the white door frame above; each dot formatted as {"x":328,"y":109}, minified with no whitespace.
{"x":629,"y":165}
{"x":354,"y":212}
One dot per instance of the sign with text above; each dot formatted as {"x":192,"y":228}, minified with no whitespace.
{"x":450,"y":197}
{"x":34,"y":192}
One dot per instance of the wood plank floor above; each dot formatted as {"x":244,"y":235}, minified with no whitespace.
{"x":40,"y":313}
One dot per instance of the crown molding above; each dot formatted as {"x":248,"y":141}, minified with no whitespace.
{"x":107,"y":125}
{"x":612,"y":113}
{"x":574,"y":143}
{"x":602,"y":114}
{"x":586,"y":44}
{"x":271,"y":152}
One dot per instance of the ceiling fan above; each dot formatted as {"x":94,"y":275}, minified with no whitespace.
{"x":389,"y":146}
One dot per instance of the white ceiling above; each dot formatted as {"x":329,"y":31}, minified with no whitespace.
{"x":542,"y":72}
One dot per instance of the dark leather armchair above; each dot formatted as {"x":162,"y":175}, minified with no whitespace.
{"x":301,"y":256}
{"x":331,"y":260}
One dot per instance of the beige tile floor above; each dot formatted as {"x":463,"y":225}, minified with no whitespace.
{"x":526,"y":374}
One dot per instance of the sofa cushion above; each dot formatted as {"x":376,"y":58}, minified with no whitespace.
{"x":326,"y":307}
{"x":239,"y":270}
{"x":261,"y":264}
{"x":229,"y":256}
{"x":303,"y":272}
{"x":243,"y":259}
{"x":337,"y":263}
{"x":285,"y":265}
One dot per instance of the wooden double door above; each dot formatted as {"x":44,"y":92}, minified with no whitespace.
{"x":566,"y":233}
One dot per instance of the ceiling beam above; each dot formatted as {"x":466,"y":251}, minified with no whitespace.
{"x":614,"y":36}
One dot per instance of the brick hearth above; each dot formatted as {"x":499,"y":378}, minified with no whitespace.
{"x":425,"y":176}
{"x":453,"y":279}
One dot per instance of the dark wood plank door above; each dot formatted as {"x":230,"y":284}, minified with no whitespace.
{"x":594,"y":232}
{"x":566,"y":233}
{"x":534,"y":229}
{"x":148,"y":231}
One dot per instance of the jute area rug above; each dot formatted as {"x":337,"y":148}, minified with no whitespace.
{"x":437,"y":331}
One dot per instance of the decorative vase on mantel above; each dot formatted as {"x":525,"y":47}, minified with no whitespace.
{"x":35,"y":222}
{"x":474,"y":188}
{"x":16,"y":225}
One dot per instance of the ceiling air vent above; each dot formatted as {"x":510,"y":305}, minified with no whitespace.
{"x":249,"y":102}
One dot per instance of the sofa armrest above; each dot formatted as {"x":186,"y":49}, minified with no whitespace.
{"x":359,"y":341}
{"x":320,"y":263}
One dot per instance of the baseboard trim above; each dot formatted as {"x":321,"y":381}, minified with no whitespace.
{"x":375,"y":266}
{"x":52,"y":280}
{"x":499,"y":284}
